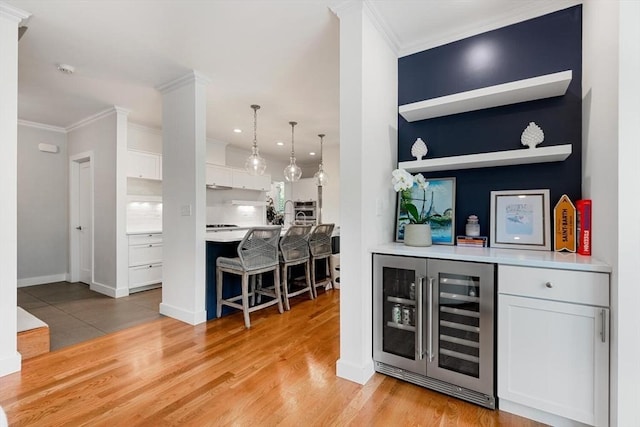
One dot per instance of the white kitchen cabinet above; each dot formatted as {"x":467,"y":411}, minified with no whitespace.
{"x":145,"y":261}
{"x":244,"y":180}
{"x":553,"y":345}
{"x":304,"y":190}
{"x":219,"y":176}
{"x":145,"y":165}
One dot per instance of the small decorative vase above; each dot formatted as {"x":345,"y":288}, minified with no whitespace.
{"x":417,"y":235}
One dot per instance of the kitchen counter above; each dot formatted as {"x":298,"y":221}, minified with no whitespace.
{"x":144,"y":231}
{"x":528,"y":258}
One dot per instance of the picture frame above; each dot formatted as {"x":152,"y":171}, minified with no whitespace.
{"x":440,"y":199}
{"x":520,"y":219}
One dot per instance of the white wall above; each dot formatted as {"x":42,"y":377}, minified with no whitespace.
{"x":43,"y":207}
{"x":368,"y":120}
{"x":9,"y":20}
{"x":331,"y":191}
{"x":99,"y":136}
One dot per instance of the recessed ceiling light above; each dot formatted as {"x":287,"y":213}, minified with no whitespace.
{"x":66,"y":68}
{"x":312,"y":153}
{"x":280,"y":143}
{"x":236,"y":130}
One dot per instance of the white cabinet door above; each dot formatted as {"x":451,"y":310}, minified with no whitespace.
{"x":145,"y":254}
{"x":219,"y":176}
{"x":304,"y":190}
{"x":244,"y":180}
{"x":554,"y":356}
{"x":144,"y":165}
{"x":145,"y":275}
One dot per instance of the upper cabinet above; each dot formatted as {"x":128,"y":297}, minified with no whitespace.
{"x":547,"y":86}
{"x":141,"y":164}
{"x":226,"y":177}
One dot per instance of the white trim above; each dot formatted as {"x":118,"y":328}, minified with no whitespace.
{"x":192,"y":76}
{"x":42,"y":126}
{"x":143,"y":128}
{"x":357,"y":373}
{"x":74,"y":165}
{"x":10,"y":364}
{"x":13,"y":13}
{"x":381,"y":25}
{"x":102,"y":114}
{"x":527,"y":10}
{"x":41,"y":280}
{"x":537,"y":415}
{"x":190,"y":317}
{"x":108,"y":290}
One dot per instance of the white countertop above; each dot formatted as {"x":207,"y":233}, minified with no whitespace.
{"x":543,"y":259}
{"x":145,"y":231}
{"x":236,"y":234}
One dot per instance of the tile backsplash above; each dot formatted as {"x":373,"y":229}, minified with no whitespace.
{"x":144,"y":215}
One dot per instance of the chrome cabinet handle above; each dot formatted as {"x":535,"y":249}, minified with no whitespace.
{"x":430,"y":318}
{"x":79,"y":227}
{"x":603,"y":332}
{"x":419,"y":320}
{"x":549,"y":285}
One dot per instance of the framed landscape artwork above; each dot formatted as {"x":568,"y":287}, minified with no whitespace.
{"x":438,"y":203}
{"x":520,"y":219}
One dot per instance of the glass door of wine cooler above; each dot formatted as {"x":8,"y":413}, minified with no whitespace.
{"x":460,"y":346}
{"x":398,"y":308}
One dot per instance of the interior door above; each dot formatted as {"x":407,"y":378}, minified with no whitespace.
{"x":84,"y":222}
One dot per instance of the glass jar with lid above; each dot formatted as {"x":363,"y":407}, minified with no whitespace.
{"x":472,"y":228}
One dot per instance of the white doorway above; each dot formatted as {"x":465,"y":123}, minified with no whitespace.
{"x":81,"y":218}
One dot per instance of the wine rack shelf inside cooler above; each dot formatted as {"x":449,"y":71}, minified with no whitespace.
{"x":401,"y":326}
{"x":401,"y":300}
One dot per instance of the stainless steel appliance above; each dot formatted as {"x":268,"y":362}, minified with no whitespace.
{"x":443,"y":338}
{"x":304,"y":212}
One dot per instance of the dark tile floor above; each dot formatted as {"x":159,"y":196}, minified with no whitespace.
{"x":75,"y":313}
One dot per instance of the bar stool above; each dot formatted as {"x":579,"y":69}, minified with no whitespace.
{"x":257,"y":254}
{"x":294,"y":250}
{"x":320,"y":248}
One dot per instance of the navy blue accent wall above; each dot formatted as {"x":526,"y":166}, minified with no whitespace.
{"x":539,"y":46}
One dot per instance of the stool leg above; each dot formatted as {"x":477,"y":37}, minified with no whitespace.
{"x":245,"y":299}
{"x":285,"y":287}
{"x":330,"y":275}
{"x":307,"y":277}
{"x":258,"y":295}
{"x":313,"y":276}
{"x":276,"y":286}
{"x":219,"y":293}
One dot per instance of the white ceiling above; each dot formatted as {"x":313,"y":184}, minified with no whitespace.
{"x":281,"y":54}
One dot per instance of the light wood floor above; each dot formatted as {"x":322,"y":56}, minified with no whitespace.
{"x":281,"y":372}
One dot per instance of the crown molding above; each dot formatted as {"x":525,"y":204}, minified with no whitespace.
{"x":528,"y":10}
{"x":192,"y":76}
{"x":143,"y":128}
{"x":41,"y":126}
{"x":102,"y":114}
{"x":13,"y":13}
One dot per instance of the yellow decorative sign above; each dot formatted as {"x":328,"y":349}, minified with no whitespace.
{"x":564,"y":219}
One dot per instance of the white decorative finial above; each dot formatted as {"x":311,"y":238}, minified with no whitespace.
{"x":532,"y":135}
{"x":419,"y":149}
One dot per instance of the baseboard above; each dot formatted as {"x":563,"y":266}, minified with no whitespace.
{"x":108,"y":290}
{"x":10,"y":364}
{"x":537,"y":415}
{"x":357,"y":373}
{"x":190,"y":317}
{"x":41,"y":280}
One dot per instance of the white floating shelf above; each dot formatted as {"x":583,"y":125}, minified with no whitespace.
{"x":541,"y":87}
{"x":555,"y":153}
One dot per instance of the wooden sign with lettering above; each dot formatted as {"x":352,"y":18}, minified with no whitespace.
{"x":564,"y":219}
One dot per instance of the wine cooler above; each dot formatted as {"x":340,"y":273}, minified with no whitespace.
{"x":434,"y":324}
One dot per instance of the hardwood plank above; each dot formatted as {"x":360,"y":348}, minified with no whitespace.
{"x":280,"y":372}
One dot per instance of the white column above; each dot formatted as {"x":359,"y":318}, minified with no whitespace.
{"x":626,"y":413}
{"x":368,"y":134}
{"x":122,"y":250}
{"x":184,"y":198}
{"x":10,"y":17}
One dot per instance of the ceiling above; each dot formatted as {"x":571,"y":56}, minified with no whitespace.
{"x":280,"y":54}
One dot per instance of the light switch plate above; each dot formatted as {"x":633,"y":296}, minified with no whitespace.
{"x":185,"y":210}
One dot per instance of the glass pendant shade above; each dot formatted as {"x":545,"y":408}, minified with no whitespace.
{"x":255,"y":164}
{"x":321,"y":177}
{"x":292,"y":172}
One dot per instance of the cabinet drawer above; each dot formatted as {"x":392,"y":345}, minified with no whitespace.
{"x":145,"y":239}
{"x":145,"y":254}
{"x":145,"y":275}
{"x":579,"y":287}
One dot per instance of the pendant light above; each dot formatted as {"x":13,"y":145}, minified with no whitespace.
{"x":292,"y":172}
{"x":255,"y":164}
{"x":321,"y":176}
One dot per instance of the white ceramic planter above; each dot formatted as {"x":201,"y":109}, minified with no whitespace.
{"x":417,"y":235}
